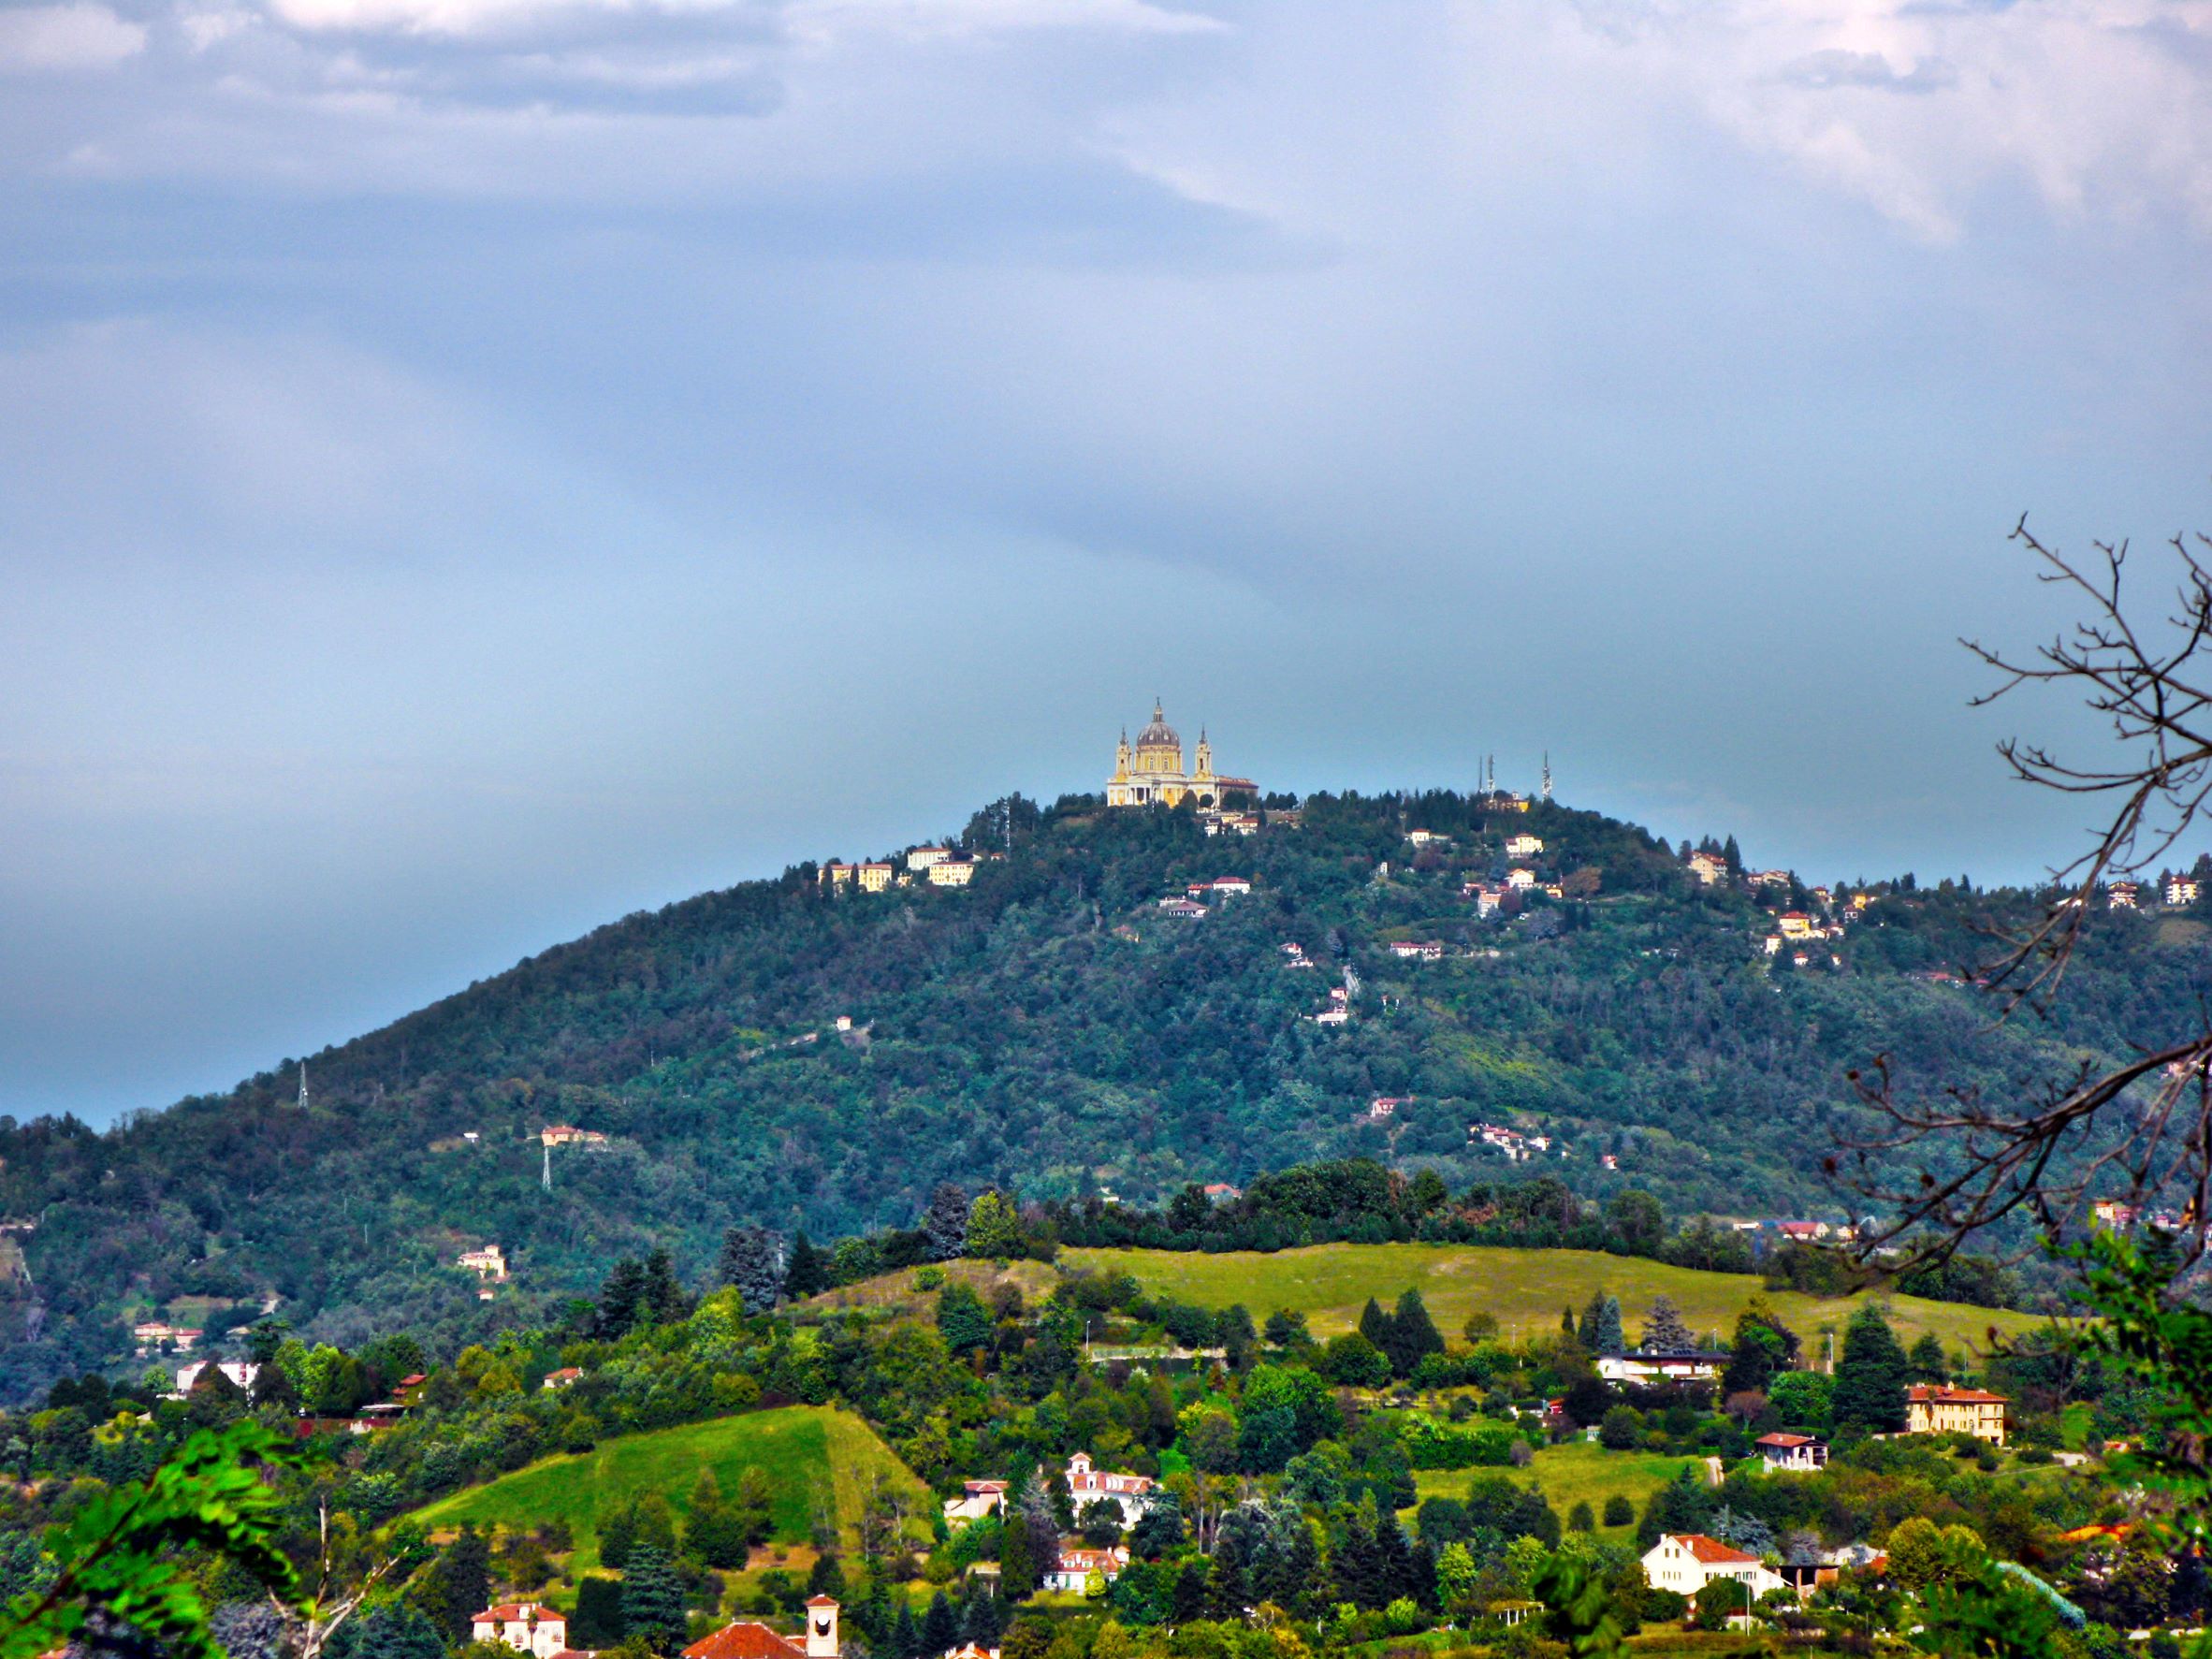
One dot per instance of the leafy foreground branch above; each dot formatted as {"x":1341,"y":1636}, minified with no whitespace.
{"x":120,"y":1584}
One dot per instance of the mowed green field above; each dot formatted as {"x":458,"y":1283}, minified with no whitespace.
{"x":1525,"y":1290}
{"x":1578,"y":1471}
{"x":817,"y":1460}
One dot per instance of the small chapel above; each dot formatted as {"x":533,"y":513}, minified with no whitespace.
{"x":1152,"y":774}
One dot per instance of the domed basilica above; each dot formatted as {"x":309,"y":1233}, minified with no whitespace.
{"x":1151,"y":773}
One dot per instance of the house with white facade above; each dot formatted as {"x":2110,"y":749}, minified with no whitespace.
{"x":527,"y":1627}
{"x":1686,"y":1562}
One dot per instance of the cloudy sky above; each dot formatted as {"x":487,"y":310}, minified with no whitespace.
{"x":472,"y":468}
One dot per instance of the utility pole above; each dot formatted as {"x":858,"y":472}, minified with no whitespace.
{"x":304,"y":1086}
{"x":546,"y":1179}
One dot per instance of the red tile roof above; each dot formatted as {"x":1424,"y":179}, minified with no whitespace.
{"x":508,"y":1611}
{"x":1712,"y":1551}
{"x":745,"y":1639}
{"x":1786,"y":1441}
{"x":1942,"y":1394}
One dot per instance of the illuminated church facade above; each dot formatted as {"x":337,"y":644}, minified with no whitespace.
{"x":1151,"y":773}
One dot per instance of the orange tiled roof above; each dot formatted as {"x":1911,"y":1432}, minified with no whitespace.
{"x":745,"y":1639}
{"x":1712,"y":1551}
{"x":1944,"y":1394}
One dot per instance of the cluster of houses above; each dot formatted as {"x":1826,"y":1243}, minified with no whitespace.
{"x":1076,"y":1562}
{"x":1187,"y":904}
{"x":936,"y":867}
{"x":153,"y":1336}
{"x":1519,"y":1148}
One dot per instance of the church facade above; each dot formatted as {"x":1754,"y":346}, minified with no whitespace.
{"x":1151,"y":773}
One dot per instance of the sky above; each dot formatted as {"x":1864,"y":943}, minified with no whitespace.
{"x":471,"y":469}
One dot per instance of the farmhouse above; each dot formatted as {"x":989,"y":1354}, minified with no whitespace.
{"x":1686,"y":1562}
{"x":750,"y":1639}
{"x":977,"y":1499}
{"x":527,"y":1627}
{"x":1132,"y":1495}
{"x":1794,"y":1452}
{"x":1649,"y":1366}
{"x":241,"y":1373}
{"x":1076,"y":1562}
{"x":1938,"y":1409}
{"x":487,"y":1263}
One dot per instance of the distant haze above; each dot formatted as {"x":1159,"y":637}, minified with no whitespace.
{"x":472,"y":468}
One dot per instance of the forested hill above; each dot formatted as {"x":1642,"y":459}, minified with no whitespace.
{"x":1050,"y":1029}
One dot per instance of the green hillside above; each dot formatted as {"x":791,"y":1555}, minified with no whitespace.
{"x":818,"y":1459}
{"x":1525,"y":1290}
{"x":1049,"y":1029}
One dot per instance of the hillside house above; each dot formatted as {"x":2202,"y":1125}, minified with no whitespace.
{"x":1417,"y":950}
{"x":1220,"y":887}
{"x":1487,"y":896}
{"x":1710,"y":868}
{"x":921,"y":858}
{"x":1686,"y":1562}
{"x":747,"y":1638}
{"x":951,"y":872}
{"x":1796,"y":1453}
{"x":1771,"y":944}
{"x":487,"y":1263}
{"x":1132,"y":1495}
{"x":2114,"y":1214}
{"x":154,"y":1333}
{"x":1422,"y":837}
{"x":1796,"y":925}
{"x":1071,"y":1569}
{"x":2124,"y":896}
{"x":874,"y":877}
{"x":1386,"y":1106}
{"x":1521,"y":878}
{"x":527,"y":1627}
{"x":1512,"y":1142}
{"x":1761,"y":879}
{"x":1294,"y":956}
{"x":1183,"y":908}
{"x":2180,"y":891}
{"x":563,"y":1377}
{"x":1939,"y":1408}
{"x":1524,"y":846}
{"x":977,"y":1499}
{"x":1243,"y":823}
{"x":835,"y":875}
{"x":562,"y":1134}
{"x":1221,"y":1192}
{"x":1656,"y":1365}
{"x":241,"y":1373}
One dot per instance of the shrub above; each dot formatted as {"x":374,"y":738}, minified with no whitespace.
{"x":1619,"y":1510}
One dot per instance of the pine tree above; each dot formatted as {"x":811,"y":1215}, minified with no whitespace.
{"x":941,"y":1626}
{"x":752,"y":1260}
{"x":652,"y":1600}
{"x":465,"y":1575}
{"x":1413,"y":1335}
{"x":714,"y":1533}
{"x":1666,"y":1332}
{"x":660,"y":1296}
{"x":1928,"y":1364}
{"x":946,"y":1223}
{"x":1871,"y":1377}
{"x":1600,"y":1330}
{"x":619,"y":1300}
{"x":598,"y":1623}
{"x":1376,"y":1326}
{"x":805,"y":1275}
{"x":905,"y":1636}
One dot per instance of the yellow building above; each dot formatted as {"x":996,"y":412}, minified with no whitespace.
{"x":1151,"y":773}
{"x":951,"y":872}
{"x":874,"y":878}
{"x":1934,"y":1408}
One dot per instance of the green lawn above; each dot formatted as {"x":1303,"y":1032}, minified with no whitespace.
{"x":1524,"y":1288}
{"x":1579,"y":1471}
{"x":817,"y":1459}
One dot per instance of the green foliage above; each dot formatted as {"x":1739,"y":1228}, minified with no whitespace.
{"x":113,"y":1563}
{"x":1871,"y":1377}
{"x":652,"y":1600}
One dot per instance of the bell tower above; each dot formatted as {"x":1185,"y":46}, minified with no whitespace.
{"x":821,"y":1628}
{"x":1205,"y":757}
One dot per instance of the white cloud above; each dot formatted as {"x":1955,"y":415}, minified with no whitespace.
{"x":65,"y":37}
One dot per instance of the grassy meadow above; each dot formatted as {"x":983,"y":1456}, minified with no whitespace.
{"x":817,"y":1459}
{"x":1580,"y":1471}
{"x":1524,"y":1288}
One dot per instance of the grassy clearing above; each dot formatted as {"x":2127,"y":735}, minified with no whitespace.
{"x":1524,"y":1288}
{"x":897,"y":1294}
{"x":1578,"y":1471}
{"x":818,"y":1459}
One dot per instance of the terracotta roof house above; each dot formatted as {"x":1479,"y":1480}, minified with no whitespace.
{"x":1793,"y":1452}
{"x":1938,"y":1409}
{"x":749,"y":1638}
{"x":1685,"y":1563}
{"x":527,"y":1627}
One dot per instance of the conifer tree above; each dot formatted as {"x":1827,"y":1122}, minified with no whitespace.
{"x":905,"y":1636}
{"x":1375,"y":1325}
{"x":464,"y":1574}
{"x":1664,"y":1330}
{"x":1413,"y":1335}
{"x":805,"y":1275}
{"x":752,"y":1260}
{"x":946,"y":1223}
{"x":1871,"y":1377}
{"x":1600,"y":1330}
{"x":1928,"y":1364}
{"x":941,"y":1626}
{"x":652,"y":1600}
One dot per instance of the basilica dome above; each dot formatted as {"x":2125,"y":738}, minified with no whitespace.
{"x":1159,"y":735}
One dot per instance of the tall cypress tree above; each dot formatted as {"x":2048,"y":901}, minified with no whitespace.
{"x":805,"y":1274}
{"x":941,"y":1626}
{"x":465,"y":1570}
{"x":1376,"y":1326}
{"x":1413,"y":1334}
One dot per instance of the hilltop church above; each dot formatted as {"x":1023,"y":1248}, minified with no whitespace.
{"x":1151,"y":773}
